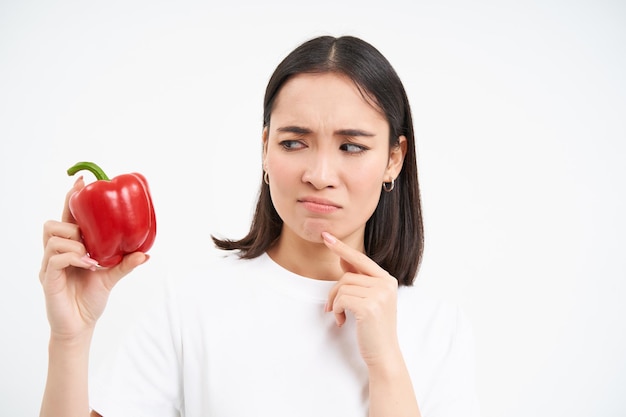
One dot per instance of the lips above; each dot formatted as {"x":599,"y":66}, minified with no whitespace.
{"x":319,"y":205}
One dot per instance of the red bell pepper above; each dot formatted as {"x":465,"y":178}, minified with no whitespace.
{"x":116,"y":217}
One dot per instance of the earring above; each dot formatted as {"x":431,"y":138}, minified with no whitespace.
{"x":266,"y":178}
{"x":388,"y":186}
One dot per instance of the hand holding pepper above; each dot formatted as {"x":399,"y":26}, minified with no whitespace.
{"x":76,"y":291}
{"x":116,"y":217}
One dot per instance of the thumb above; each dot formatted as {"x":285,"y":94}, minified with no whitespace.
{"x":128,"y":264}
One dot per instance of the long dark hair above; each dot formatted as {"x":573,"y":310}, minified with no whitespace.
{"x":394,"y":235}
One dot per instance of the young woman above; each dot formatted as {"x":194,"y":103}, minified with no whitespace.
{"x":313,"y":312}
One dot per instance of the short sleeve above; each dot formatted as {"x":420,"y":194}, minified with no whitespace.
{"x":144,"y":378}
{"x":454,"y":389}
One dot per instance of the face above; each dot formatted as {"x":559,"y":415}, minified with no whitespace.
{"x":327,"y":154}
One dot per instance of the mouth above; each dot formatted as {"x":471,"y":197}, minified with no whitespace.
{"x":318,"y":205}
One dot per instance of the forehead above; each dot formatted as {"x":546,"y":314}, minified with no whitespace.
{"x":332,"y":96}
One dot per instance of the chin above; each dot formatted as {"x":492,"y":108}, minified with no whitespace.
{"x":312,"y":230}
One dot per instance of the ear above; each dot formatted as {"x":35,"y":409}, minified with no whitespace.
{"x":396,"y":159}
{"x":265,"y":141}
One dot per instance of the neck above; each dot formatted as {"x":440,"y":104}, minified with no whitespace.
{"x":302,"y":257}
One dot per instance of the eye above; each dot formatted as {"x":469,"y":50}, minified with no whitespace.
{"x":352,"y":148}
{"x":292,"y":145}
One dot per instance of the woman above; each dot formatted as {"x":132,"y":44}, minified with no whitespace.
{"x":314,"y":312}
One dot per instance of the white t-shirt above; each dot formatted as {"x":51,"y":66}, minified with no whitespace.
{"x":249,"y":338}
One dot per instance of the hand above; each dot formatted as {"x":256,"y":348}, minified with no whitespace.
{"x":76,"y":290}
{"x":370,"y":294}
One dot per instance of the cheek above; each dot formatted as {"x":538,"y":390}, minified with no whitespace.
{"x":280,"y":172}
{"x":282,"y":177}
{"x":365,"y":190}
{"x":368,"y":180}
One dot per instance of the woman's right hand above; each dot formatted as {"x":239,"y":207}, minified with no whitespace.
{"x":76,"y":289}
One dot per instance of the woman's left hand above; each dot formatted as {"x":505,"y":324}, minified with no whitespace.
{"x":370,"y":294}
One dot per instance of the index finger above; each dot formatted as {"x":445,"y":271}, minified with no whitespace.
{"x":358,"y":260}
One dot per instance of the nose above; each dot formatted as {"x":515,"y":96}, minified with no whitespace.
{"x":321,"y":170}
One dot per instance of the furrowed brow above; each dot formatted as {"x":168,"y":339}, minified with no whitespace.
{"x":354,"y":133}
{"x":341,"y":132}
{"x":294,"y":129}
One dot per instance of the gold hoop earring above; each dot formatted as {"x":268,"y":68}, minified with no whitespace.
{"x":388,"y":186}
{"x":266,"y":178}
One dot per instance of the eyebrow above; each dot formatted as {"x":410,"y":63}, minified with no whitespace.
{"x":341,"y":132}
{"x":294,"y":129}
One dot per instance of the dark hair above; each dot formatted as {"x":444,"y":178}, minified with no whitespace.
{"x":394,"y":233}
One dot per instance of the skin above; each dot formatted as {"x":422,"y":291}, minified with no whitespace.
{"x":369,"y":293}
{"x":76,"y":293}
{"x":327,"y":154}
{"x":325,"y":142}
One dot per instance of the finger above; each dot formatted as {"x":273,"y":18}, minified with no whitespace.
{"x":52,"y":267}
{"x":61,"y":261}
{"x":57,"y":245}
{"x":348,"y":279}
{"x":79,"y":184}
{"x":340,"y":290}
{"x":333,"y":305}
{"x":347,"y":302}
{"x":343,"y":289}
{"x":60,"y":229}
{"x":354,"y":261}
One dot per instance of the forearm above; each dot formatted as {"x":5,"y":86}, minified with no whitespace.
{"x":66,"y":392}
{"x":391,"y":390}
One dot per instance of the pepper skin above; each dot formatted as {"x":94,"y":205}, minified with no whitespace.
{"x":116,"y":217}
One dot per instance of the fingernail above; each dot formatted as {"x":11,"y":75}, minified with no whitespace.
{"x":90,"y":261}
{"x":329,"y":238}
{"x":79,"y":179}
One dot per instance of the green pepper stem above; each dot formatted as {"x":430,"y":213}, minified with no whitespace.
{"x":89,"y":166}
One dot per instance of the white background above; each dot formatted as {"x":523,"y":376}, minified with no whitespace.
{"x":520,"y":112}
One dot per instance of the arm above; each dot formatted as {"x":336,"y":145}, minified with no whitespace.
{"x":76,"y":292}
{"x":370,"y":293}
{"x":66,"y":387}
{"x":391,"y":390}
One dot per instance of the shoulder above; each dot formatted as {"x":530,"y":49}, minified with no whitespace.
{"x":438,"y":345}
{"x":414,"y":300}
{"x":426,"y":317}
{"x":217,"y":269}
{"x":216,"y":279}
